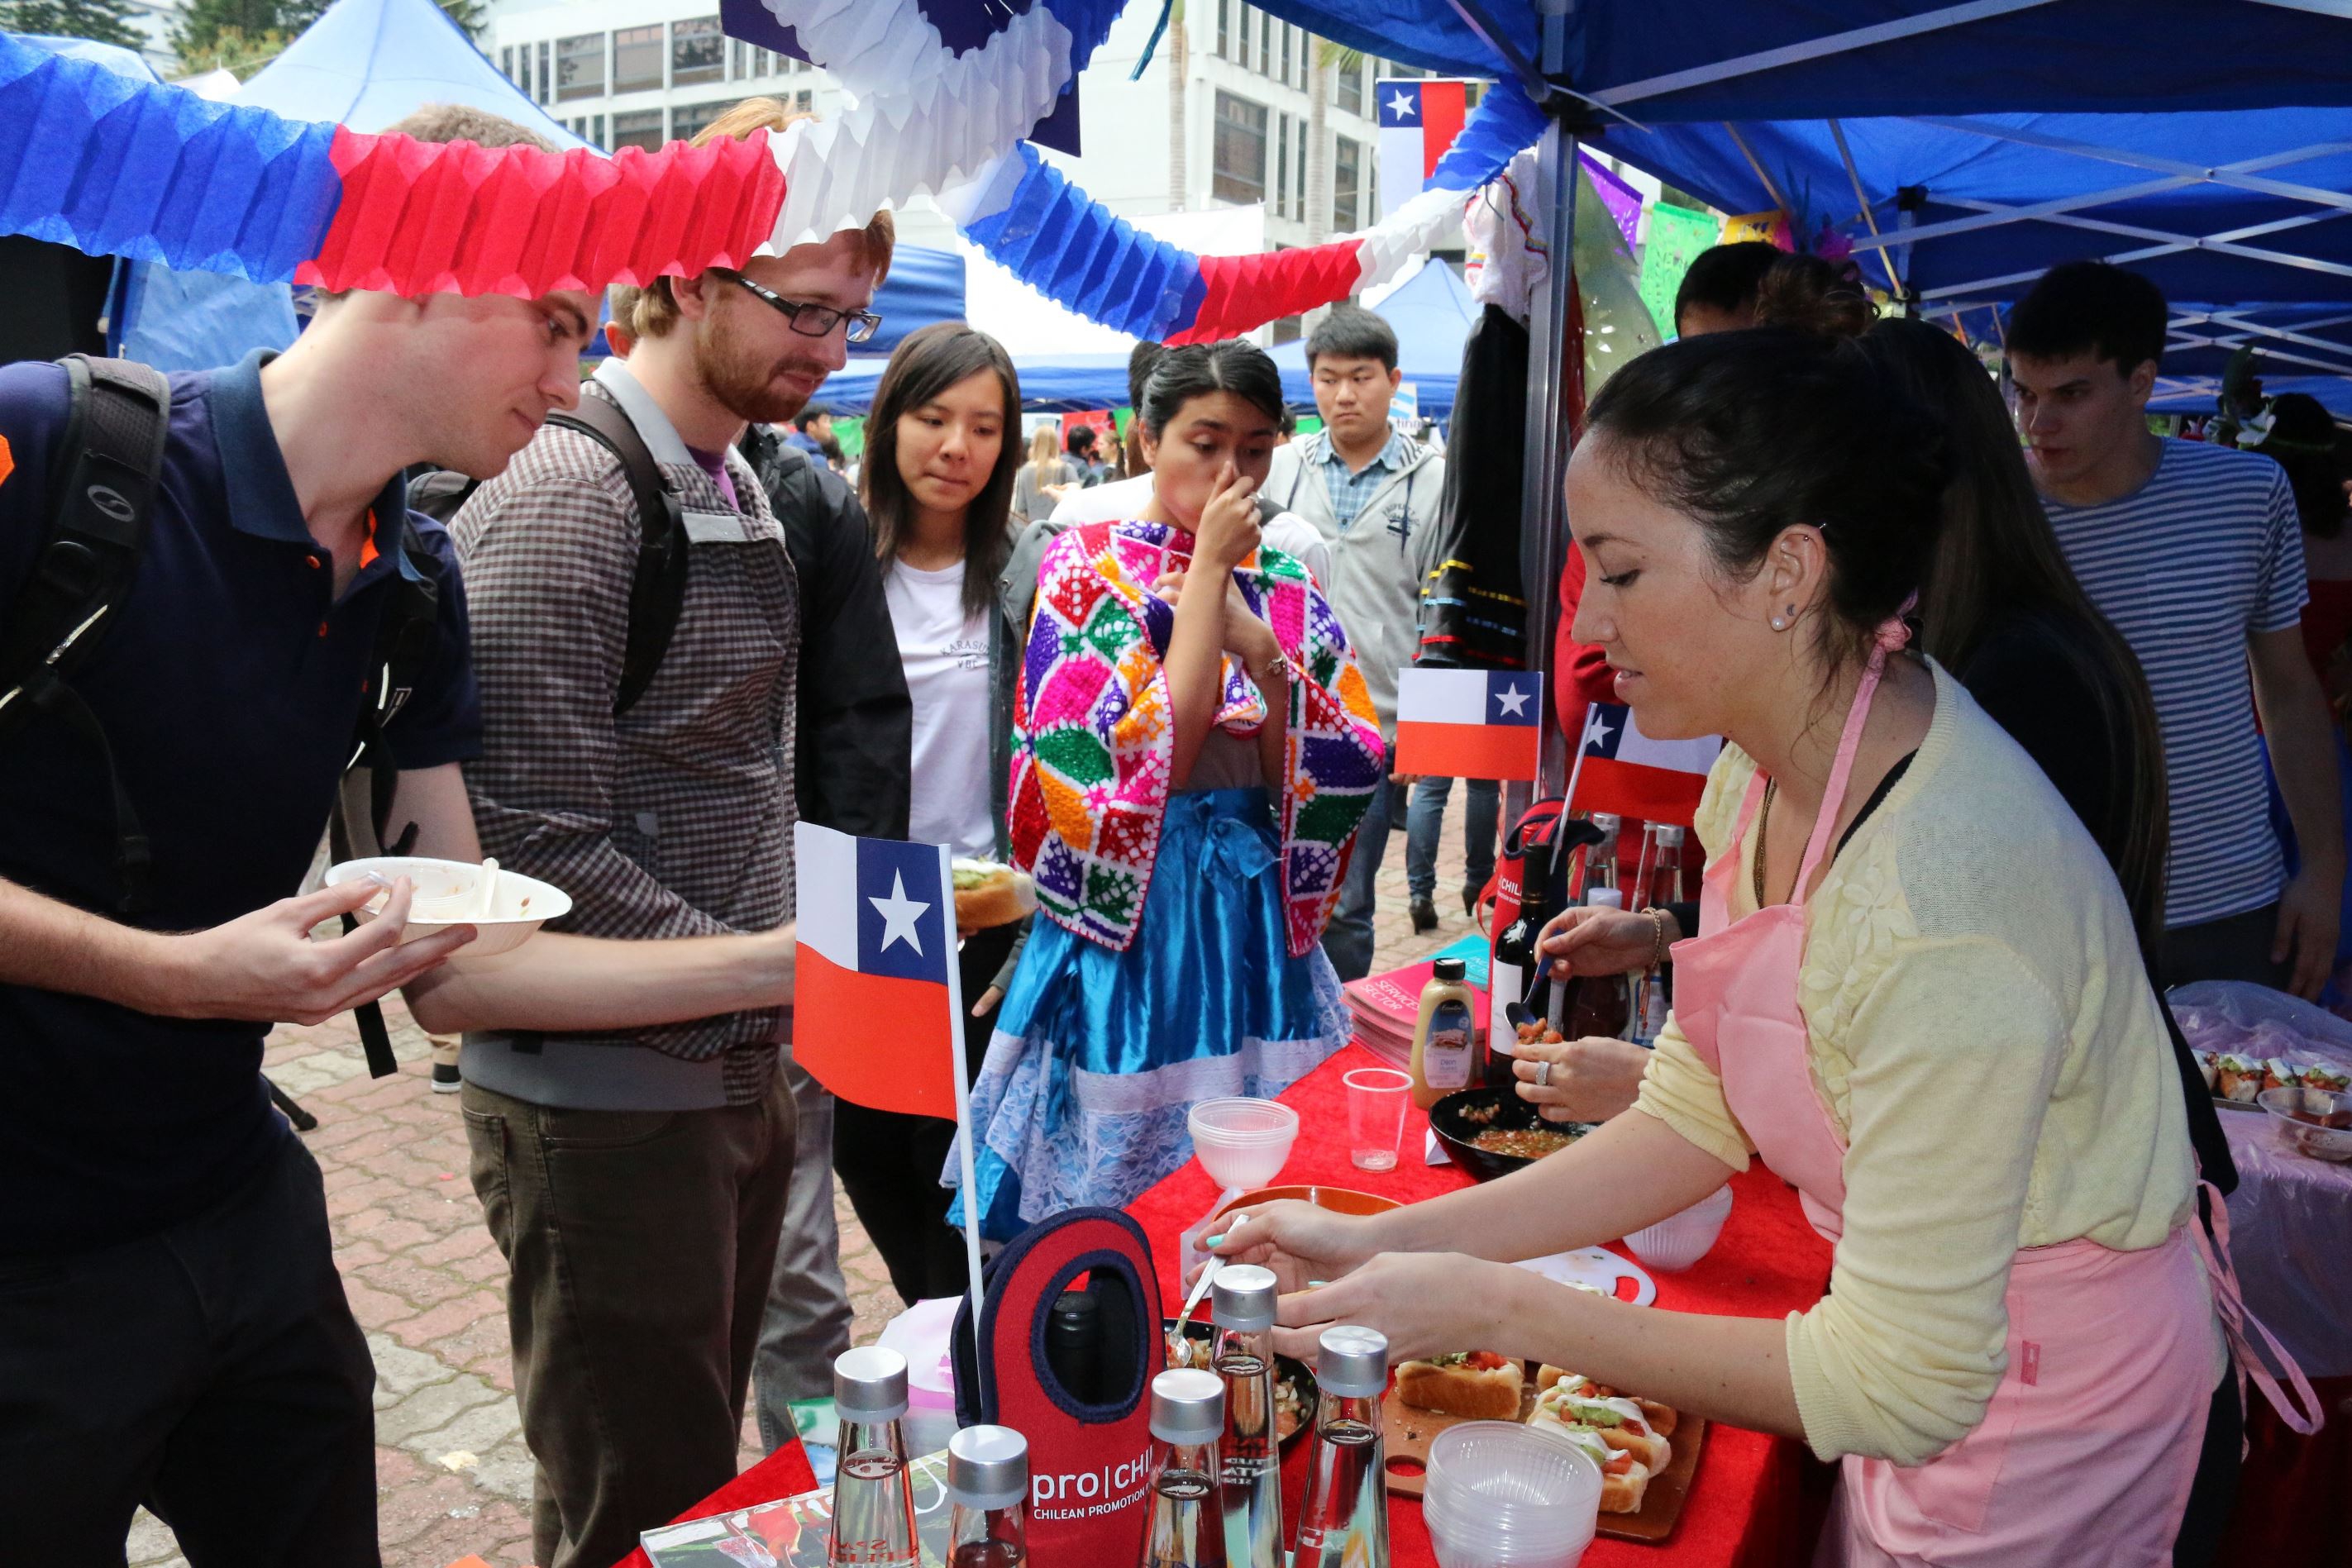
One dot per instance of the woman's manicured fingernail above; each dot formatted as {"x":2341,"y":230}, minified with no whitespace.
{"x":1215,"y":1241}
{"x":1316,"y":1284}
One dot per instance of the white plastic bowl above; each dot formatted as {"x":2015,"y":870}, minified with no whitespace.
{"x":1243,"y":1142}
{"x":1679,"y":1240}
{"x":446,"y":894}
{"x":1501,"y":1495}
{"x":2333,"y":1144}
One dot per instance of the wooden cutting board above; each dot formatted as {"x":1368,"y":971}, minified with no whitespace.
{"x":1408,"y":1431}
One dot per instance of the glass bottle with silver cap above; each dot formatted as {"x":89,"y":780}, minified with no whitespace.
{"x":1241,"y":1305}
{"x":988,"y":1485}
{"x":1343,"y":1520}
{"x":873,"y":1507}
{"x":1184,"y":1525}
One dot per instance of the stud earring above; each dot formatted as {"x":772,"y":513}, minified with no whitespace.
{"x":1779,"y":623}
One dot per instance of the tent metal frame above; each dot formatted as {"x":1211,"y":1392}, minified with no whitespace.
{"x":1544,"y":539}
{"x":2173,"y":175}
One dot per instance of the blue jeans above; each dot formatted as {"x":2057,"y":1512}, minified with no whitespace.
{"x":1425,"y":822}
{"x":1347,"y":941}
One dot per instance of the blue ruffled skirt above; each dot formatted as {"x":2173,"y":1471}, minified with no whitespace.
{"x":1097,"y":1055}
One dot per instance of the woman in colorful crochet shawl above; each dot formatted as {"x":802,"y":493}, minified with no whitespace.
{"x":1189,"y":769}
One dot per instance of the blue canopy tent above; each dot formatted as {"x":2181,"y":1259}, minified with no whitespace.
{"x":1431,"y":313}
{"x":2196,"y":394}
{"x":1675,"y":90}
{"x":1064,"y":383}
{"x":1967,"y":211}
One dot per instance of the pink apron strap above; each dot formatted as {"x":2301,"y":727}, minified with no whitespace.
{"x":2236,"y":1320}
{"x":1889,"y":637}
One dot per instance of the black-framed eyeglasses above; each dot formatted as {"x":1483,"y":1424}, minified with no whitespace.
{"x":810,"y":321}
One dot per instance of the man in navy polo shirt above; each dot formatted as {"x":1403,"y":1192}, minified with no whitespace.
{"x":172,"y":1328}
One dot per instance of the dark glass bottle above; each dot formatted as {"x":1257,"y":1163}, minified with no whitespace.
{"x":1516,"y":974}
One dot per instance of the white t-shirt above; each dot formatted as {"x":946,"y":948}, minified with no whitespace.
{"x":1120,"y":499}
{"x":945,"y":653}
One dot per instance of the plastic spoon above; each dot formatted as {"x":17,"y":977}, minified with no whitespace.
{"x":1201,"y":1286}
{"x":484,"y":908}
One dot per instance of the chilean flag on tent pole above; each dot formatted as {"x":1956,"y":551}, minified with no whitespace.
{"x":1469,"y":724}
{"x":1419,"y":120}
{"x":1621,"y":770}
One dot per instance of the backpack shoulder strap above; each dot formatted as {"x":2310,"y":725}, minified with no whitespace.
{"x":104,"y":487}
{"x":105,"y":473}
{"x":657,"y":592}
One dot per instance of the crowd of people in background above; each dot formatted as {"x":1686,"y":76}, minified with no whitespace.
{"x":2122,"y":654}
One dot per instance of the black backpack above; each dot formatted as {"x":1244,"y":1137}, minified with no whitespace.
{"x":106,"y":471}
{"x":657,"y":592}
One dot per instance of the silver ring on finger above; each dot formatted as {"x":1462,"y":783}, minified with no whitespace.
{"x":1543,"y":1074}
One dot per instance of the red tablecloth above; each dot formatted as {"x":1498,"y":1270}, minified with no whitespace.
{"x":1753,"y":1504}
{"x":784,"y":1473}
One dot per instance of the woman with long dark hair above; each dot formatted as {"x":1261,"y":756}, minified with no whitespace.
{"x":2000,"y":609}
{"x":942,"y":442}
{"x":1916,"y":992}
{"x":1194,"y":749}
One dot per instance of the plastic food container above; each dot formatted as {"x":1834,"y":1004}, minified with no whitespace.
{"x":1243,"y":1142}
{"x":2333,"y":1144}
{"x":1501,"y":1495}
{"x":1679,"y":1240}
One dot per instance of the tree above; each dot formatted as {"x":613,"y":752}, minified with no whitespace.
{"x":234,"y":50}
{"x":198,"y":34}
{"x":102,"y":21}
{"x":203,"y":22}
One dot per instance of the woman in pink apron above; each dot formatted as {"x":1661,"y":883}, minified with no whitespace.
{"x":1915,"y":994}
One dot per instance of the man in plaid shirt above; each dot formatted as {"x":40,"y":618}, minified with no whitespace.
{"x":633,"y":1139}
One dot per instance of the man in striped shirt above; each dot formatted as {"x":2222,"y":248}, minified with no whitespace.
{"x":2195,"y":553}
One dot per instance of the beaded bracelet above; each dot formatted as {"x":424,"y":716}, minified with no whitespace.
{"x":1658,"y":936}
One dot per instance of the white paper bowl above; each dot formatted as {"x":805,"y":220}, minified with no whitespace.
{"x":1679,"y":1240}
{"x":444,"y":895}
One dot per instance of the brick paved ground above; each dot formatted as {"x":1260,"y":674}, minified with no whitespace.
{"x":428,"y":1286}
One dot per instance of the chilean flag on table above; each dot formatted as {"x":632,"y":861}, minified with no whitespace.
{"x":874,"y":991}
{"x":1621,"y":770}
{"x":1469,"y":724}
{"x":1419,"y":121}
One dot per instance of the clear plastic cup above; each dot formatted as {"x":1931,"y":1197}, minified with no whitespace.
{"x":1377,"y":1097}
{"x":1500,"y":1495}
{"x":1241,"y":1143}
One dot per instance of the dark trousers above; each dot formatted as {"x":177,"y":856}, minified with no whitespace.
{"x":639,"y":1244}
{"x":2215,"y":1489}
{"x":212,"y":1372}
{"x":2234,"y":947}
{"x":889,"y":1163}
